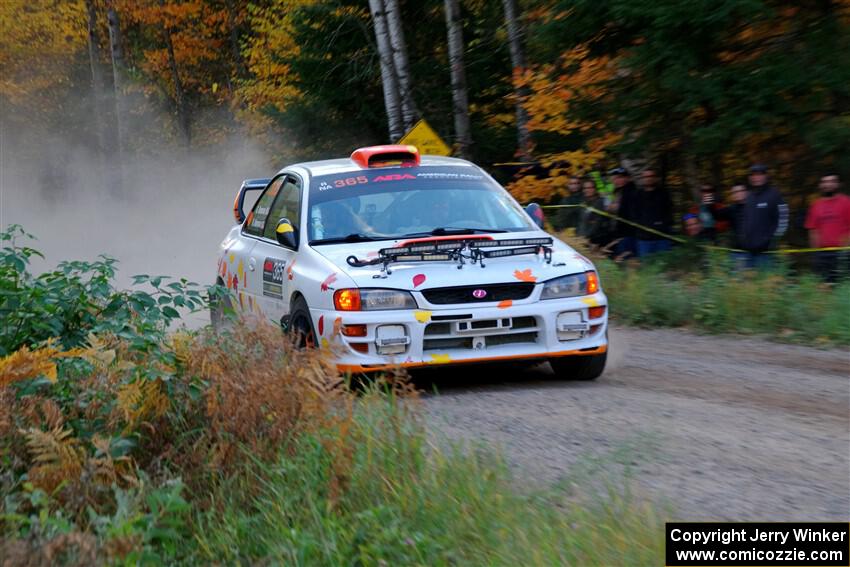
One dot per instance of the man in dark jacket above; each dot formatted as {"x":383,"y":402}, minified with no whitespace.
{"x":624,"y":206}
{"x":655,"y":211}
{"x":593,"y":226}
{"x":761,"y":220}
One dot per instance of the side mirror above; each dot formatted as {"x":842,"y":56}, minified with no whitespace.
{"x":286,"y":234}
{"x":535,"y":211}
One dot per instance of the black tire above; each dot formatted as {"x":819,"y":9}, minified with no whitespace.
{"x":300,"y":325}
{"x":221,"y":311}
{"x":588,"y":367}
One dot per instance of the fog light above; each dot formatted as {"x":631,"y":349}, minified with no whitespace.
{"x":391,"y":339}
{"x":571,"y":326}
{"x":596,"y":312}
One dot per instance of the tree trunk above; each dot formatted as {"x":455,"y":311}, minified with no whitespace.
{"x":515,"y":39}
{"x":392,"y":99}
{"x":235,"y":51}
{"x":118,"y":76}
{"x":460,"y":100}
{"x":98,"y":88}
{"x":399,"y":50}
{"x":179,"y":96}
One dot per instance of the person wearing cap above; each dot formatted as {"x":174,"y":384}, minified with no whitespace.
{"x":624,"y":206}
{"x":828,"y":223}
{"x":655,"y":211}
{"x":761,"y":220}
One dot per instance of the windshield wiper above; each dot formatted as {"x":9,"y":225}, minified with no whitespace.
{"x":454,"y":230}
{"x":353,"y":237}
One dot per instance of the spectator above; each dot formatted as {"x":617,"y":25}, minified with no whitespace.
{"x":593,"y":226}
{"x":761,"y":219}
{"x":713,"y":214}
{"x":568,"y":217}
{"x":654,"y":210}
{"x":828,"y":222}
{"x":694,"y":228}
{"x":624,"y":205}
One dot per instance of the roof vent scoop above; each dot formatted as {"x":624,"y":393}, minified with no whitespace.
{"x":386,"y":156}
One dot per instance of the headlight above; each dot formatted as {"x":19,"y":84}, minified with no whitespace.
{"x":372,"y":299}
{"x":571,"y":286}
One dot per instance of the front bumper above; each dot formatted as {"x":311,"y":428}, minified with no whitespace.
{"x":461,"y":334}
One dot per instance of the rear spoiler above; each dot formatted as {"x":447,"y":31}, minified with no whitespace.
{"x":247,"y":185}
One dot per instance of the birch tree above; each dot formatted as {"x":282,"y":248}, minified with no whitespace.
{"x":402,"y":69}
{"x":515,"y":40}
{"x":392,"y":99}
{"x":460,"y":101}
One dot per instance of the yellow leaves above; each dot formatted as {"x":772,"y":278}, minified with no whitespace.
{"x":141,"y":400}
{"x":25,"y":364}
{"x":56,"y":455}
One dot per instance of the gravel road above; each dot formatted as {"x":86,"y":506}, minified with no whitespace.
{"x":710,"y":428}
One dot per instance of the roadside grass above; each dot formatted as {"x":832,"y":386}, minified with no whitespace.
{"x":408,"y":502}
{"x":686,"y":288}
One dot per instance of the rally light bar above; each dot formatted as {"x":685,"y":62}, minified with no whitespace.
{"x":456,"y":250}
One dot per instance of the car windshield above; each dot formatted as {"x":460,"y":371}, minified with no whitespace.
{"x":410,"y":201}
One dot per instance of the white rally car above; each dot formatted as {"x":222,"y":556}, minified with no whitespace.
{"x":390,"y":259}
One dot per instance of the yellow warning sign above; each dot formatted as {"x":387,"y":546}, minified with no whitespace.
{"x":423,"y":137}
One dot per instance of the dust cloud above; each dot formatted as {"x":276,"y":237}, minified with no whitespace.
{"x":167,"y":217}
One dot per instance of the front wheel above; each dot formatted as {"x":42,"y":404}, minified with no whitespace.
{"x":588,"y":367}
{"x":301,"y":325}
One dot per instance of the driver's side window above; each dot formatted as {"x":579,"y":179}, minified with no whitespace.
{"x":256,"y":221}
{"x":287,"y":205}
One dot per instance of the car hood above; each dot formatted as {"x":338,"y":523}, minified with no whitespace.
{"x":424,"y":275}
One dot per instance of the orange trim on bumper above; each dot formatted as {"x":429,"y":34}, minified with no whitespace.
{"x":359,"y":368}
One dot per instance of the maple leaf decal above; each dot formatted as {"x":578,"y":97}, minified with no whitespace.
{"x":525,"y":276}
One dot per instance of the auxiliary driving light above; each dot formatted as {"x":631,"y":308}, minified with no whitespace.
{"x":391,"y":339}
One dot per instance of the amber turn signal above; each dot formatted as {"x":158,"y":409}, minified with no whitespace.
{"x":592,"y":283}
{"x":347,"y":300}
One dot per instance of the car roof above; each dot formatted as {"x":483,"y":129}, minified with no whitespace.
{"x":345,"y":165}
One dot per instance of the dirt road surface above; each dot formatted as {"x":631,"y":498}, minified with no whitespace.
{"x":708,"y":428}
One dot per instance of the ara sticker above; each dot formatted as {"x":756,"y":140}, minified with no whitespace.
{"x":273,"y":270}
{"x":328,"y":281}
{"x":393,"y":177}
{"x":418,"y":280}
{"x":525,"y":276}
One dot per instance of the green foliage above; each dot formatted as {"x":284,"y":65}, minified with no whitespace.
{"x":78,"y":298}
{"x":722,"y":300}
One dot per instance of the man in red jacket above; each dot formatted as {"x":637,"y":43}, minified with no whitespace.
{"x":828,"y":222}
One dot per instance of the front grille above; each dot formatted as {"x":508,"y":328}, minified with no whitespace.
{"x":496,"y":332}
{"x":464,"y":294}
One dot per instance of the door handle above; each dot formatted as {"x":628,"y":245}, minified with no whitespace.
{"x":252,"y":263}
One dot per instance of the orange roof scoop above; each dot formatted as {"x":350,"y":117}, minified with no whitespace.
{"x":386,"y":156}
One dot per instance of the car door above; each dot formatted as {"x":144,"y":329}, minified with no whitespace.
{"x":270,"y":261}
{"x":242,"y":277}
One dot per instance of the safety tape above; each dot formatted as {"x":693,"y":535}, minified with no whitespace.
{"x":682,"y":240}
